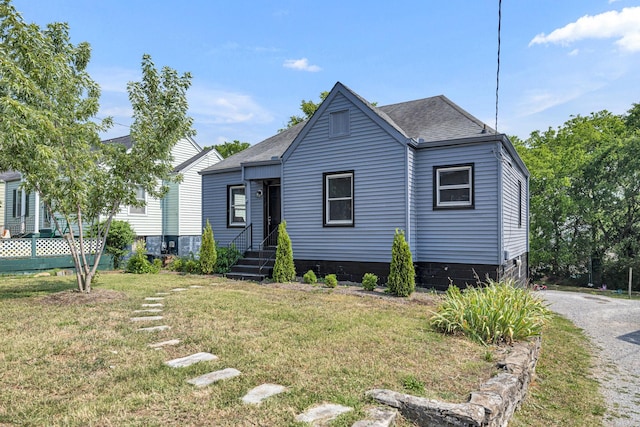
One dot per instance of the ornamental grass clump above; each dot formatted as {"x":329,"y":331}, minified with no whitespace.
{"x":498,"y":312}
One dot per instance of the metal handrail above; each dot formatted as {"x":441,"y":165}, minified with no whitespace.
{"x":242,"y":242}
{"x":269,"y":241}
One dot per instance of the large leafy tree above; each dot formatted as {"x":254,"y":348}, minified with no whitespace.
{"x":308,"y":108}
{"x":585,"y":205}
{"x":227,"y":148}
{"x":48,"y":132}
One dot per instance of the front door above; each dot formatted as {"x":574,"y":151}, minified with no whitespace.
{"x":272,"y":213}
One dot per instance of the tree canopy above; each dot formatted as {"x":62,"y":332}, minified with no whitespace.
{"x":49,"y":132}
{"x":308,"y":108}
{"x":227,"y":149}
{"x":585,"y":197}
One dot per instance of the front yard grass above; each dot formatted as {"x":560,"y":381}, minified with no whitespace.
{"x":68,"y":359}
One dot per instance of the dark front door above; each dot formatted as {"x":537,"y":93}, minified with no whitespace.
{"x":272,"y":212}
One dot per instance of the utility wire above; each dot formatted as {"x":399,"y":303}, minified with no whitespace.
{"x":498,"y":71}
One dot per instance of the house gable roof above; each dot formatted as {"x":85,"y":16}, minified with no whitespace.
{"x":187,"y":163}
{"x":434,"y":119}
{"x":9,"y":176}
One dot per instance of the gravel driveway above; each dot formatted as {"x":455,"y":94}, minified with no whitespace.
{"x":613,"y":324}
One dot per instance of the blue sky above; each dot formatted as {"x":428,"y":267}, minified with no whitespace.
{"x":254,"y":61}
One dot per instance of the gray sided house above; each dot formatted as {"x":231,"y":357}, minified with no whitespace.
{"x":352,"y":174}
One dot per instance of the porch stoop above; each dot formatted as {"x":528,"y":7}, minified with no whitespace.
{"x":248,"y":267}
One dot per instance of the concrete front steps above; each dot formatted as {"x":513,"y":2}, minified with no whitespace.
{"x":248,"y":267}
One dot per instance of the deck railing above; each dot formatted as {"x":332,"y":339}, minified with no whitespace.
{"x":34,"y":247}
{"x":265,"y":249}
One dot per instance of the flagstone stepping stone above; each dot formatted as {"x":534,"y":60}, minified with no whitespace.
{"x":154,"y":328}
{"x":378,"y":417}
{"x":162,"y":293}
{"x":190,"y":360}
{"x":145,"y":318}
{"x":161,"y":344}
{"x":154,"y":298}
{"x":149,"y":310}
{"x":179,"y":289}
{"x":212,"y":377}
{"x":256,"y":395}
{"x":157,"y":304}
{"x":323,"y":413}
{"x":196,"y":286}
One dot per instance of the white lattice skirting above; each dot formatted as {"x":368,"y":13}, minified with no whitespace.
{"x":21,"y":248}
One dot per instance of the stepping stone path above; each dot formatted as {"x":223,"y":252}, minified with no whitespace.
{"x":212,"y":377}
{"x":145,"y":318}
{"x":316,"y":416}
{"x":323,"y":413}
{"x":158,"y":345}
{"x":154,"y":328}
{"x":190,"y":360}
{"x":262,"y":392}
{"x":378,"y":417}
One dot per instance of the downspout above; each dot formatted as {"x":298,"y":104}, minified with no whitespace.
{"x":407,"y":198}
{"x":23,"y":208}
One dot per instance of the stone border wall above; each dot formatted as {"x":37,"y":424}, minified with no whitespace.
{"x":492,"y":405}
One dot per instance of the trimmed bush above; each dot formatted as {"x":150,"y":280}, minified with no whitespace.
{"x":369,"y":281}
{"x":402,"y":275}
{"x":499,"y":312}
{"x":139,"y":264}
{"x":330,"y":281}
{"x":284,"y":270}
{"x":207,"y":254}
{"x":120,"y":236}
{"x":310,"y":278}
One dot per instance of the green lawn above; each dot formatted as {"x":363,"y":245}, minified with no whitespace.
{"x":69,"y":359}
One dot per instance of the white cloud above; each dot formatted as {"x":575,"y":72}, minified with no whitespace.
{"x":301,"y":64}
{"x":574,"y":52}
{"x":214,"y":106}
{"x":623,"y":26}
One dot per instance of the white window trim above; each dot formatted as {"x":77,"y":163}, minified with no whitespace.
{"x":232,"y":206}
{"x":469,"y":186}
{"x":327,"y":219}
{"x":140,"y":207}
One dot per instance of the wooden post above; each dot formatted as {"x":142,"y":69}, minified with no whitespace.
{"x":630,"y":280}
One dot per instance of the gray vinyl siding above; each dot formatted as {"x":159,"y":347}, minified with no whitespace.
{"x":411,"y":196}
{"x":467,"y":236}
{"x":214,"y":204}
{"x":257,"y":212}
{"x":378,"y":162}
{"x":183,"y":151}
{"x":262,"y":171}
{"x":11,"y":222}
{"x":514,"y":236}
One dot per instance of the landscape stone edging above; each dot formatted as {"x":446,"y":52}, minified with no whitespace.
{"x":492,"y":405}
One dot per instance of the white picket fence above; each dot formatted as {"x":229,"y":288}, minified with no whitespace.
{"x":24,"y":248}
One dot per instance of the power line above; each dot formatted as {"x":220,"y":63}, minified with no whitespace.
{"x":498,"y":71}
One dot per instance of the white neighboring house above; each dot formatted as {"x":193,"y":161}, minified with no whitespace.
{"x":173,"y":224}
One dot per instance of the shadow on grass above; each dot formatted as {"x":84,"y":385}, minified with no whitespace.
{"x":39,"y":288}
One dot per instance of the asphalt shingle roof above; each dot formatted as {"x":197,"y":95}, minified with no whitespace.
{"x":429,"y":119}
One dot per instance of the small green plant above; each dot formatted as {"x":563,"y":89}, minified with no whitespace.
{"x":208,"y":255}
{"x":413,"y":385}
{"x":227,"y":257}
{"x":330,"y":281}
{"x":120,"y":236}
{"x":369,"y":281}
{"x":498,"y":312}
{"x":310,"y":278}
{"x":139,"y":264}
{"x":402,"y":275}
{"x":284,"y":269}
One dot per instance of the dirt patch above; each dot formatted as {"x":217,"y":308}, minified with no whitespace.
{"x":75,"y":297}
{"x":418,"y":297}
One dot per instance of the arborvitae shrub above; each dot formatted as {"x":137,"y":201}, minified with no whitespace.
{"x":310,"y":277}
{"x":369,"y":281}
{"x":402,"y":275}
{"x":330,"y":281}
{"x":208,"y":253}
{"x":284,"y":270}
